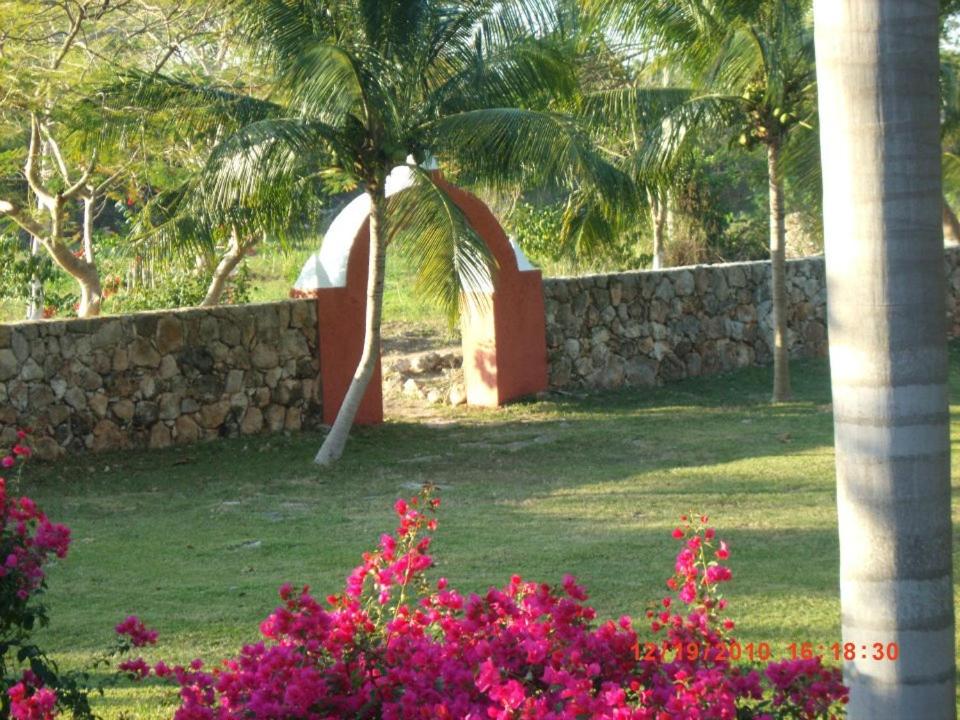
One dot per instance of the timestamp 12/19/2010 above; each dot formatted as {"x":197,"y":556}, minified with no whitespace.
{"x":736,"y":652}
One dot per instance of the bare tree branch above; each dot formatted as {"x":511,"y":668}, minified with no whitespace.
{"x":32,"y":166}
{"x":55,"y":151}
{"x":75,"y":24}
{"x":23,"y":219}
{"x":80,"y":186}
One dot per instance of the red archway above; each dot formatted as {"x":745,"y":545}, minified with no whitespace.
{"x":504,"y":338}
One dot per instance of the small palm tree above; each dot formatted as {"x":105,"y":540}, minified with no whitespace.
{"x":366,"y":86}
{"x":751,"y":64}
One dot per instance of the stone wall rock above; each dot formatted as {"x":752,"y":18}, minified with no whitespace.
{"x":649,"y":327}
{"x":161,"y":378}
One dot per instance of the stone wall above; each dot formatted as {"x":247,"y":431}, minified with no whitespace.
{"x":161,"y":378}
{"x":648,"y":327}
{"x":178,"y":377}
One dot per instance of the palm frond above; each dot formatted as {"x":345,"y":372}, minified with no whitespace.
{"x":452,"y":260}
{"x":667,"y":143}
{"x":194,"y":108}
{"x":631,"y":108}
{"x":269,"y":152}
{"x":325,"y":82}
{"x":170,"y":229}
{"x":587,"y":227}
{"x":512,"y":76}
{"x":508,"y":148}
{"x":951,"y":171}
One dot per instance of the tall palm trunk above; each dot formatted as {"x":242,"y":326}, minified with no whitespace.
{"x":778,"y":278}
{"x":336,"y":440}
{"x":877,"y":77}
{"x":658,"y":216}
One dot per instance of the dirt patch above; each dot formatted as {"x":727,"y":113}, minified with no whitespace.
{"x":421,"y":372}
{"x":401,"y":338}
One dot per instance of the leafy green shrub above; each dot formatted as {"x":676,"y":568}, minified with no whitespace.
{"x":18,"y":267}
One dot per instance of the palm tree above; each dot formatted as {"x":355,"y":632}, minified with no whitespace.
{"x":751,"y":63}
{"x":877,"y":74}
{"x":634,"y":112}
{"x":363,"y":86}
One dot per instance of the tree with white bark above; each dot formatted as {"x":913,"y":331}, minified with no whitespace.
{"x":51,"y":55}
{"x":51,"y":231}
{"x":877,"y":71}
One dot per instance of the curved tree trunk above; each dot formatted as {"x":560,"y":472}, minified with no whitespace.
{"x":778,"y":279}
{"x":79,"y":268}
{"x":91,"y":293}
{"x":86,"y":275}
{"x":951,"y":225}
{"x":888,"y":356}
{"x":336,"y":440}
{"x":221,"y":274}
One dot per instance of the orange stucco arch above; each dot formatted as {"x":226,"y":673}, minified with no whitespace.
{"x":504,"y":337}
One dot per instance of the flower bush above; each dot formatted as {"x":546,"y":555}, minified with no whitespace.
{"x":28,"y":542}
{"x":393,"y":647}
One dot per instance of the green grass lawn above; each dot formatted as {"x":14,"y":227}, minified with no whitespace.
{"x":196,"y":541}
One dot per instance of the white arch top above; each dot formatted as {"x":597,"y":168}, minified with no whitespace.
{"x":327,"y":268}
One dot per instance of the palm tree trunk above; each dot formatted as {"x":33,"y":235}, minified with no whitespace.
{"x":221,"y":274}
{"x":888,"y":357}
{"x":336,"y":440}
{"x":778,"y":278}
{"x":658,"y":215}
{"x":951,"y":225}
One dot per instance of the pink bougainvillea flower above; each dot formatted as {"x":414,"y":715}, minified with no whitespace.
{"x":717,"y":574}
{"x":32,"y":704}
{"x":138,"y":633}
{"x":524,"y":650}
{"x":137,"y":668}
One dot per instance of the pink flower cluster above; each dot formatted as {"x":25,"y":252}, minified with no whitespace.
{"x":138,"y":633}
{"x":704,"y":683}
{"x":28,"y":535}
{"x":527,"y":650}
{"x":19,"y":450}
{"x":29,"y":700}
